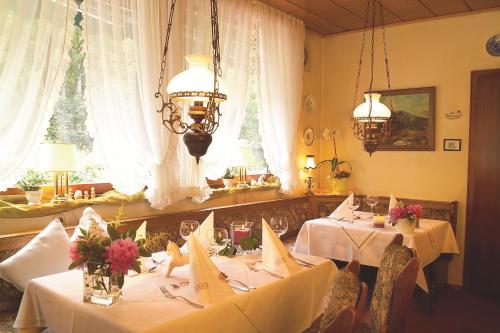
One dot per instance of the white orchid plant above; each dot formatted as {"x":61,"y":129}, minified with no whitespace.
{"x":335,"y":163}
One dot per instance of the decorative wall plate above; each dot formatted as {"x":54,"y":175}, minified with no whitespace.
{"x":308,"y":103}
{"x":493,"y":45}
{"x":308,"y":136}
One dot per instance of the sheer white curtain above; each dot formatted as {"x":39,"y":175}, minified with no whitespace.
{"x":124,"y":47}
{"x":281,"y":63}
{"x":34,"y":37}
{"x":235,"y":25}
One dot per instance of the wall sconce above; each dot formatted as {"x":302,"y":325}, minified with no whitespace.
{"x":310,"y":164}
{"x":60,"y":159}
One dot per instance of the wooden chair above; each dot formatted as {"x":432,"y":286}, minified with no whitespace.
{"x":347,"y":301}
{"x":393,"y":291}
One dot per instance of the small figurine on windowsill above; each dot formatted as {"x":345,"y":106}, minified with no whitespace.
{"x":78,"y":194}
{"x":92,"y":193}
{"x":86,"y":195}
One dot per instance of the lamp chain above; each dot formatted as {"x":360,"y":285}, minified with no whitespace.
{"x":165,"y":49}
{"x":386,"y":56}
{"x":361,"y":53}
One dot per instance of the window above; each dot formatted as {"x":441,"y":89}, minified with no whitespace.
{"x":250,"y":141}
{"x":68,"y":122}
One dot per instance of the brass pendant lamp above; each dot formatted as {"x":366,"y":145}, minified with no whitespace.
{"x":197,"y":86}
{"x":372,"y":119}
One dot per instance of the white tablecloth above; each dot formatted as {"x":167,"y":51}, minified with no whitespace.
{"x":341,"y":240}
{"x":277,"y":305}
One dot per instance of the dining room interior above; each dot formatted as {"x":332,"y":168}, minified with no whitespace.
{"x":249,"y":166}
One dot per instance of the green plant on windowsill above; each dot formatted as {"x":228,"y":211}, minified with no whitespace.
{"x":32,"y":181}
{"x":228,"y":174}
{"x":31,"y":184}
{"x":228,"y":178}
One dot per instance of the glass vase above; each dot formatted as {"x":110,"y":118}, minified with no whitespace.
{"x":98,"y":288}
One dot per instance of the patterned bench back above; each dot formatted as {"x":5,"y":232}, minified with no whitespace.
{"x":297,"y":210}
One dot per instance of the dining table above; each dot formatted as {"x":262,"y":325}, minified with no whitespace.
{"x":277,"y":304}
{"x":346,"y":239}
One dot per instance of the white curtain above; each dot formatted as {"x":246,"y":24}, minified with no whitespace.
{"x":124,"y":48}
{"x":34,"y":37}
{"x":281,"y":63}
{"x":235,"y":26}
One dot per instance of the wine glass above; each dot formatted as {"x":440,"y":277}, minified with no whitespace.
{"x":220,"y":241}
{"x":279,"y":225}
{"x":372,"y":201}
{"x":353,"y":205}
{"x":187,"y":227}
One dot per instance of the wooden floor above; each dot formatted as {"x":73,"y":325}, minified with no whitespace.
{"x":456,"y":312}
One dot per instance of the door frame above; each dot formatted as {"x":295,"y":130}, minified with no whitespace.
{"x":475,"y":76}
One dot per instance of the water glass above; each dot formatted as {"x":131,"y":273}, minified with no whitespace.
{"x":372,"y":201}
{"x":353,"y":205}
{"x":189,"y":227}
{"x":279,"y":225}
{"x":220,"y":241}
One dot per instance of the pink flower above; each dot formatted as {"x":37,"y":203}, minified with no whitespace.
{"x":73,"y":252}
{"x":397,"y":213}
{"x":415,"y":210}
{"x":121,"y":255}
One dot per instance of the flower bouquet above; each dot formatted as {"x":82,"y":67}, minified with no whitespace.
{"x":106,"y":256}
{"x":405,"y":218}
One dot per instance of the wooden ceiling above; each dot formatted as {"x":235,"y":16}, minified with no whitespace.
{"x":328,"y":17}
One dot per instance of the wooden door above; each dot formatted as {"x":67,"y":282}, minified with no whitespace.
{"x":482,"y":239}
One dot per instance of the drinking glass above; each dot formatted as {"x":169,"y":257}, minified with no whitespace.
{"x":353,"y":205}
{"x":220,"y":241}
{"x":372,"y":201}
{"x":240,"y":230}
{"x":279,"y":225}
{"x":188,"y":227}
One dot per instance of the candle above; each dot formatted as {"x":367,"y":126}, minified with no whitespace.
{"x":378,"y":221}
{"x":239,"y":234}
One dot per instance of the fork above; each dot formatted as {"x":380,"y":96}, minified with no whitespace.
{"x":169,"y":295}
{"x":252,"y":268}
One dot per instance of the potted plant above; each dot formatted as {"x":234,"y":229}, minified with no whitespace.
{"x":405,"y":218}
{"x":31,"y":185}
{"x":339,"y":170}
{"x":228,"y":178}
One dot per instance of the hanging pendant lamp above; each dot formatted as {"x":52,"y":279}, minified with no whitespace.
{"x":197,"y":86}
{"x":372,"y":119}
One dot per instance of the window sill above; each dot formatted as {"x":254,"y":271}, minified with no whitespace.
{"x":223,"y":192}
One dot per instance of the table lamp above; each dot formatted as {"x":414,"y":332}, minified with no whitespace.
{"x":310,"y":164}
{"x":60,"y":159}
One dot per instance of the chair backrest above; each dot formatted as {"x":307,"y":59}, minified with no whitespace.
{"x":394,"y":287}
{"x":347,"y":300}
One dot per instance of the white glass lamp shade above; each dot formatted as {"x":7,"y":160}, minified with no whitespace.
{"x":379,"y":112}
{"x":310,"y":163}
{"x":58,"y":157}
{"x":196,"y":83}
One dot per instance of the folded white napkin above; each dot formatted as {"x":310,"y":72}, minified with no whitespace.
{"x":206,"y":283}
{"x":392,"y":203}
{"x":206,"y":235}
{"x":343,"y":210}
{"x":141,"y":232}
{"x":275,"y":255}
{"x":90,"y":220}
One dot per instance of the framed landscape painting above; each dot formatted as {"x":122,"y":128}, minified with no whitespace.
{"x":412,"y":125}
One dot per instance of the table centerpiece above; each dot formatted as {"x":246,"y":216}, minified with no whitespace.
{"x":405,"y":218}
{"x":105,"y":257}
